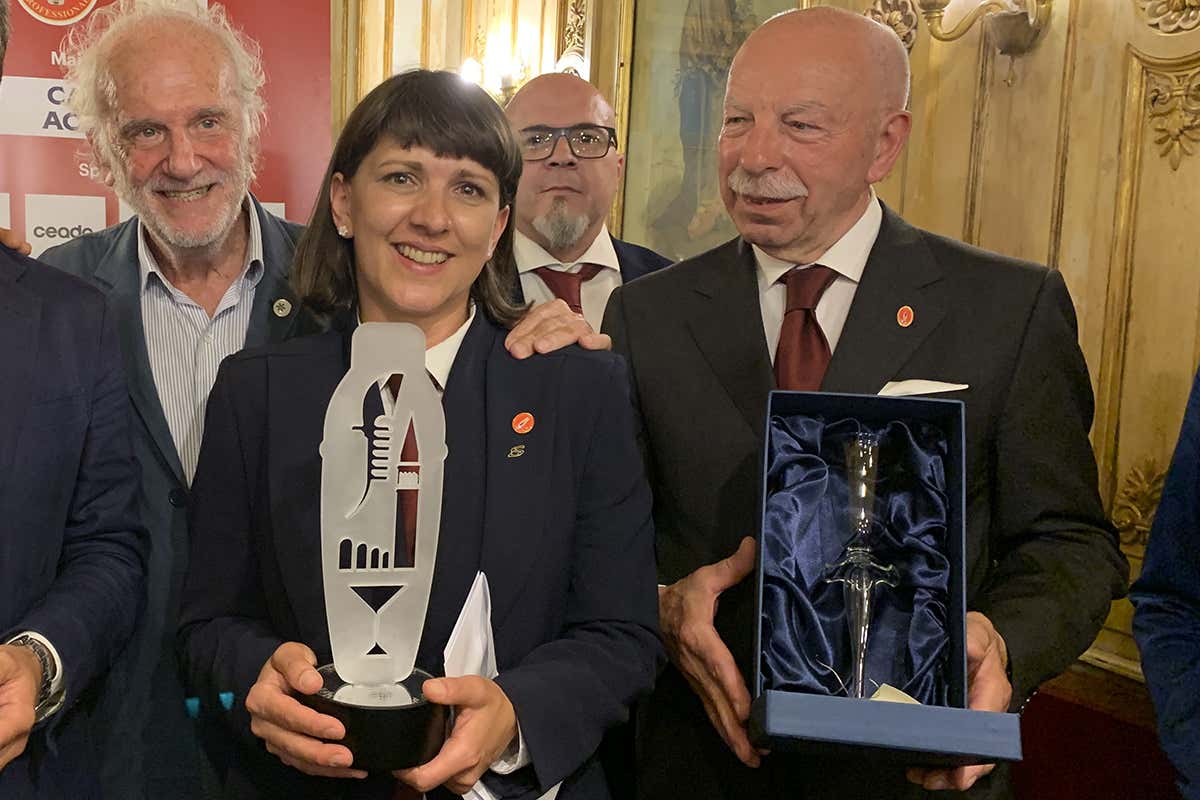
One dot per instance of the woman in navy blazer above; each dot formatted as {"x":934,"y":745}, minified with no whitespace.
{"x":413,"y":209}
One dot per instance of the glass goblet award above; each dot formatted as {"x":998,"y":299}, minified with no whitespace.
{"x":378,"y":573}
{"x":860,"y":572}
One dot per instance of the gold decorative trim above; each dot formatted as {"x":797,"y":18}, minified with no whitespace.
{"x":1062,"y":152}
{"x":983,"y":92}
{"x":389,"y":35}
{"x":1113,"y":663}
{"x":1141,"y":72}
{"x":1171,"y":16}
{"x":623,"y":87}
{"x":1173,"y":109}
{"x":574,"y":34}
{"x":426,"y":15}
{"x":1137,"y":501}
{"x":900,"y":16}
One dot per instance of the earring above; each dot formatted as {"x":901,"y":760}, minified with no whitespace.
{"x":343,"y":232}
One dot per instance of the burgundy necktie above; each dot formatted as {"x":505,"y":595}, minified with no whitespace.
{"x":803,"y":352}
{"x":566,"y":285}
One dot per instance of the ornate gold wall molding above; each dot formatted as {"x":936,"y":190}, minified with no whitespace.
{"x":1137,"y":500}
{"x":1173,"y":108}
{"x":574,"y":28}
{"x":900,"y":16}
{"x":1148,"y":80}
{"x":1171,"y":16}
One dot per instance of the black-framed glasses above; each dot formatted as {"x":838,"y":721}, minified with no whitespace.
{"x":585,"y":141}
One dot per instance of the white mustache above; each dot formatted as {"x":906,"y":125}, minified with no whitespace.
{"x":780,"y":184}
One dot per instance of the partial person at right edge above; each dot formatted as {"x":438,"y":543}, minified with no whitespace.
{"x":1166,"y":622}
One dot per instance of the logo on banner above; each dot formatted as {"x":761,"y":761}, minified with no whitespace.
{"x":58,"y":12}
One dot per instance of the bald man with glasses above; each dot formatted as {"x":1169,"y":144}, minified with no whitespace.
{"x":572,"y":169}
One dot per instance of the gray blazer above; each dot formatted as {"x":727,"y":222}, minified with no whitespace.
{"x":148,"y":746}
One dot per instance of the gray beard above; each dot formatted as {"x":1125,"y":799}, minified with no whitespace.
{"x":561,"y":228}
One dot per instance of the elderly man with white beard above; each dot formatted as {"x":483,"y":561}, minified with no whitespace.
{"x":572,"y":169}
{"x":169,"y":97}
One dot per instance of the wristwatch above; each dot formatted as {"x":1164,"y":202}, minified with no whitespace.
{"x":46,"y":704}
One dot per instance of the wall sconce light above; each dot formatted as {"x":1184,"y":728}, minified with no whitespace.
{"x":1014,"y":24}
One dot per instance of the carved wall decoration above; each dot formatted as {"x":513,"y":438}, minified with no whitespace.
{"x":1136,"y":502}
{"x":574,"y":32}
{"x":1173,"y":104}
{"x":1171,"y":16}
{"x":901,"y":16}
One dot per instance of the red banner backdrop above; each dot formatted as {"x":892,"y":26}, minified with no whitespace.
{"x":46,"y":193}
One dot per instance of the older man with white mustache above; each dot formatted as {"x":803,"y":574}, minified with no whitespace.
{"x":826,"y":289}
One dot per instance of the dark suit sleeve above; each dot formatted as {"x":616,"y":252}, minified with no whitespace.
{"x":1166,"y":623}
{"x":1056,"y":564}
{"x":97,"y":595}
{"x":225,"y":634}
{"x":569,"y":691}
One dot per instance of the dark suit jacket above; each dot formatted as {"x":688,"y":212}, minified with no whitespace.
{"x":72,"y":549}
{"x":562,"y":532}
{"x":1166,"y":623}
{"x":148,"y":743}
{"x":635,"y":261}
{"x":1042,"y":560}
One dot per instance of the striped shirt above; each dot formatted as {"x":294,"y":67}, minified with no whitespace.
{"x":186,"y":347}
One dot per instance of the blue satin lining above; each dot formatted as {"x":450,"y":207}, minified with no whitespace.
{"x":806,"y":527}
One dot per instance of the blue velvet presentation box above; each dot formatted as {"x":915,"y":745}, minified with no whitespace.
{"x":918,"y":637}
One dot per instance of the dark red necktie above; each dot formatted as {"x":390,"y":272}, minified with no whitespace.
{"x":566,"y":285}
{"x":803,"y":352}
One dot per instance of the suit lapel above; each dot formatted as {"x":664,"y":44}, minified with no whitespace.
{"x":518,"y":471}
{"x":119,"y":269}
{"x":299,"y":388}
{"x":725,"y":320}
{"x":901,"y":271}
{"x":276,"y":307}
{"x":20,"y":318}
{"x":631,"y":266}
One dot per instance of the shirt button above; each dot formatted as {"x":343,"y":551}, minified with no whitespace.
{"x":178,"y":498}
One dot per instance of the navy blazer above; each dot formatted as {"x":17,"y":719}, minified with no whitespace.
{"x":1166,"y":623}
{"x":563,"y":533}
{"x":634,"y":260}
{"x":72,"y":549}
{"x":148,"y":744}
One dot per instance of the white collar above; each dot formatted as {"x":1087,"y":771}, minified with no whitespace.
{"x":530,"y":255}
{"x":440,"y":358}
{"x":848,"y":255}
{"x":252,"y":270}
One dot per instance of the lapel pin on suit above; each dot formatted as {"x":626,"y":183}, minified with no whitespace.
{"x":517,"y":451}
{"x":282,"y":307}
{"x":523,"y":423}
{"x":904,"y":316}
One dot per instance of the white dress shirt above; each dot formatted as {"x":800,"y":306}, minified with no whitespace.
{"x":593,"y":295}
{"x":847,"y":257}
{"x":185,"y":347}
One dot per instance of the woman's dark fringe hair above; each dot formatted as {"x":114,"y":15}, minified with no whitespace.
{"x":442,"y":113}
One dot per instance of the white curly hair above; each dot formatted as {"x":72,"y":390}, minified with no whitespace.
{"x":89,"y":49}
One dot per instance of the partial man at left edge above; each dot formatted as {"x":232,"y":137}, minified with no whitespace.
{"x":72,"y":550}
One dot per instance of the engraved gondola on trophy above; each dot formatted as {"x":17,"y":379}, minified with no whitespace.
{"x":377,"y":574}
{"x":859,"y":570}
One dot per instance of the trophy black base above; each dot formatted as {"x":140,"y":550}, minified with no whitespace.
{"x":389,"y":726}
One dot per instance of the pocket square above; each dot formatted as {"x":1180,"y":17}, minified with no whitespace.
{"x":918,"y":386}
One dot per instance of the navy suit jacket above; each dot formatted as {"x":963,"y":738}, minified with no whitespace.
{"x":149,"y":746}
{"x":634,"y":260}
{"x":72,"y":549}
{"x":563,"y":533}
{"x":1166,"y":623}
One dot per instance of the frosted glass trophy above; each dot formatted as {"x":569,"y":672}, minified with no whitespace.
{"x":859,"y":571}
{"x":377,"y":570}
